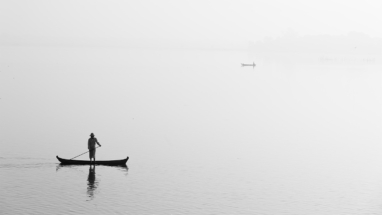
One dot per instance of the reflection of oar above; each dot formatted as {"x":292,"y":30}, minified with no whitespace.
{"x":84,"y":153}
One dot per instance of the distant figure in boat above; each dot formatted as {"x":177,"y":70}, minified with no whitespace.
{"x":92,"y":146}
{"x":253,"y":64}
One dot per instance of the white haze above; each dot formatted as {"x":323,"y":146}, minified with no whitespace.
{"x":195,"y":102}
{"x":161,"y":82}
{"x":180,"y":23}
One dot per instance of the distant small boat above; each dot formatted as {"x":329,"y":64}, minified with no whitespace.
{"x":97,"y":162}
{"x":253,"y":64}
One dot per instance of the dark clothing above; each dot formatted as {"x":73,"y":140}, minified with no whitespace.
{"x":92,"y":153}
{"x":92,"y":143}
{"x":92,"y":146}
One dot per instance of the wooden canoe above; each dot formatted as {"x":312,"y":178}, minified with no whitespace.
{"x":97,"y":162}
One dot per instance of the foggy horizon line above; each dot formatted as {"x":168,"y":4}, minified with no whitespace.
{"x":352,"y":42}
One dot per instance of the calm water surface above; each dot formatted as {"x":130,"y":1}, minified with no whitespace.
{"x":204,"y":135}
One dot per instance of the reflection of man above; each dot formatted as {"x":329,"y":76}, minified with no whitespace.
{"x":92,"y":146}
{"x":91,"y":181}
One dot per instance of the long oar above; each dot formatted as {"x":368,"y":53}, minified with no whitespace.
{"x":84,"y":153}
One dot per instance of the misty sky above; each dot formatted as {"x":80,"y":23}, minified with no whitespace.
{"x":186,"y":21}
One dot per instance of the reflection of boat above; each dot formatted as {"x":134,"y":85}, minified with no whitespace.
{"x":253,"y":64}
{"x":97,"y":162}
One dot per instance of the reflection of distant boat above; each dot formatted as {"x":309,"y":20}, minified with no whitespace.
{"x":253,"y":64}
{"x":97,"y":162}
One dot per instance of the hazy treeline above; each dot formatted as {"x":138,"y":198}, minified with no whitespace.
{"x":352,"y":43}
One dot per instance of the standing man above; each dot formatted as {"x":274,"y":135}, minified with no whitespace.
{"x":91,"y":146}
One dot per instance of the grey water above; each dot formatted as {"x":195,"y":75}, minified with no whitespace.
{"x":294,"y":135}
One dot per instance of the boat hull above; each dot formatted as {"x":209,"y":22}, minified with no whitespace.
{"x":97,"y":162}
